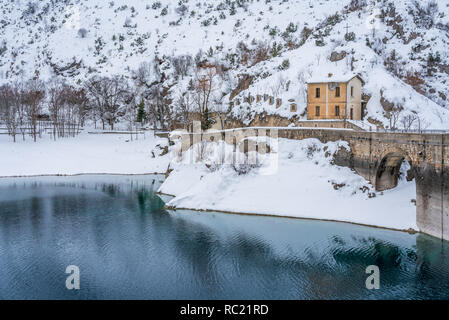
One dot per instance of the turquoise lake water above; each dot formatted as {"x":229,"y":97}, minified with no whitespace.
{"x":114,"y":228}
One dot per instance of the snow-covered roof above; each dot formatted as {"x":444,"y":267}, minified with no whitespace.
{"x":332,"y":77}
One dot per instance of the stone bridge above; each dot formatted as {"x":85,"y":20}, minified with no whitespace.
{"x":377,"y":156}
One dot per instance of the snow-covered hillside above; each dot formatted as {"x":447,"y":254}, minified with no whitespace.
{"x":400,"y":48}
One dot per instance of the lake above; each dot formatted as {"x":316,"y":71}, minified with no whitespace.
{"x":126,"y":246}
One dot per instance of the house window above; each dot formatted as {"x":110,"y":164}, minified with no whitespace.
{"x":317,"y":92}
{"x":337,"y":111}
{"x":352,"y":91}
{"x":337,"y":91}
{"x":317,"y":111}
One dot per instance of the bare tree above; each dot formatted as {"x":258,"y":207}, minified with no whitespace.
{"x":114,"y":95}
{"x":33,"y":96}
{"x":394,"y":116}
{"x":94,"y":89}
{"x":75,"y":108}
{"x":182,"y":64}
{"x":302,"y":81}
{"x":22,"y":107}
{"x":159,"y":106}
{"x":148,"y":74}
{"x":408,"y":121}
{"x":106,"y":96}
{"x":278,"y":85}
{"x":206,"y":82}
{"x":149,"y":80}
{"x":261,"y":52}
{"x":185,"y":107}
{"x":229,"y":81}
{"x":130,"y":112}
{"x":221,"y":109}
{"x":56,"y":104}
{"x":9,"y":108}
{"x":67,"y":108}
{"x":78,"y":98}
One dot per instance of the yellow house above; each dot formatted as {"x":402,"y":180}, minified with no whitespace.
{"x":335,"y":97}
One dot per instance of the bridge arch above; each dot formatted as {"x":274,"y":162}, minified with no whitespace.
{"x":388,"y":169}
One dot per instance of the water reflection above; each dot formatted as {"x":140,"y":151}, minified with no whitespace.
{"x":127,"y":246}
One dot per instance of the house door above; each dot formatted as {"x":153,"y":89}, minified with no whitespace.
{"x":352,"y":114}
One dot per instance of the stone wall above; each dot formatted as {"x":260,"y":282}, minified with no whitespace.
{"x":270,"y":120}
{"x":427,"y":154}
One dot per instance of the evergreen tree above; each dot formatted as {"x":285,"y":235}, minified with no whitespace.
{"x":206,"y":120}
{"x":191,"y":86}
{"x":276,"y":49}
{"x":232,"y":10}
{"x":141,"y":114}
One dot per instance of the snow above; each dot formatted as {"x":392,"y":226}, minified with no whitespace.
{"x":319,"y":78}
{"x":86,"y":153}
{"x":300,"y":183}
{"x":302,"y":187}
{"x":51,"y":35}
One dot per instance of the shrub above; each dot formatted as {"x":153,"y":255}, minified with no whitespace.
{"x":291,"y":28}
{"x":260,"y":53}
{"x":332,"y":20}
{"x":284,"y":65}
{"x":312,"y":149}
{"x":181,"y":10}
{"x":232,"y":10}
{"x":273,"y":32}
{"x":31,"y":8}
{"x":156,"y":5}
{"x":128,"y":22}
{"x":82,"y":33}
{"x":305,"y":34}
{"x":350,"y":36}
{"x":99,"y":45}
{"x":3,"y":48}
{"x":206,"y":22}
{"x":356,"y":5}
{"x":424,"y":16}
{"x":275,"y":50}
{"x":244,"y":168}
{"x":320,"y":43}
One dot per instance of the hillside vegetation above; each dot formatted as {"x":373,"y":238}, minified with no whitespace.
{"x":174,"y":57}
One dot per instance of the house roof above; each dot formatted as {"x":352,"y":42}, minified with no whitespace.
{"x":324,"y":78}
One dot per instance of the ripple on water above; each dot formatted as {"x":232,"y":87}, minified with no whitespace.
{"x":115,"y":229}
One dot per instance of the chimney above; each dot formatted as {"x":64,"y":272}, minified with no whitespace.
{"x":329,"y":75}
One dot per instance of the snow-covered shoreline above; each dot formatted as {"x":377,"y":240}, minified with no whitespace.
{"x":409,"y":230}
{"x":81,"y":174}
{"x":84,"y":154}
{"x":305,"y":185}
